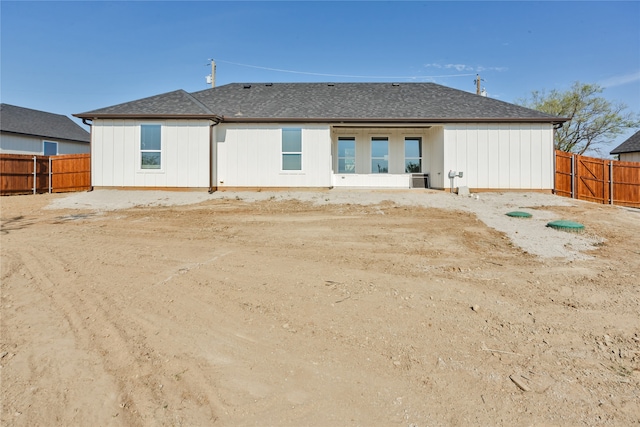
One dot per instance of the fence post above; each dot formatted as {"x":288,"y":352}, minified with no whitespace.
{"x":573,"y":181}
{"x":50,"y":174}
{"x":34,"y":174}
{"x":555,"y":172}
{"x":610,"y":182}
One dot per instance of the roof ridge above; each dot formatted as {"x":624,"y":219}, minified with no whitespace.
{"x":173,"y":103}
{"x":198,"y":103}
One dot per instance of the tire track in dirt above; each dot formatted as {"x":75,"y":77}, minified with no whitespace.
{"x":118,"y":342}
{"x":76,"y":310}
{"x":52,"y":364}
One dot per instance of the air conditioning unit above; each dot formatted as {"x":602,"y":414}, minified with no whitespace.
{"x":420,"y":180}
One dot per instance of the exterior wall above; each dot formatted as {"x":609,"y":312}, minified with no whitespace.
{"x":116,"y":159}
{"x":251,"y":156}
{"x":491,"y":156}
{"x":500,"y":156}
{"x":396,"y":178}
{"x":630,"y":157}
{"x":19,"y":144}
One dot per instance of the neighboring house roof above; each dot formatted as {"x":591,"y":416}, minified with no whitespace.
{"x":25,"y":121}
{"x":631,"y":145}
{"x":327,"y":102}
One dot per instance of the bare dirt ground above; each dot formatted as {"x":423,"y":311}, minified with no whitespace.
{"x":321,"y":308}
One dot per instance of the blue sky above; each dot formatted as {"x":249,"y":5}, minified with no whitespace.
{"x":71,"y":57}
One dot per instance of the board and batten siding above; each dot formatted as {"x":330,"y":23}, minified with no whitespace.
{"x":251,"y":156}
{"x":499,"y":156}
{"x":19,"y":144}
{"x":630,"y":157}
{"x":116,"y":159}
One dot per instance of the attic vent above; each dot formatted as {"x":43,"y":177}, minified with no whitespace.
{"x":395,"y":84}
{"x":247,"y":86}
{"x":330,"y":84}
{"x":268,"y":84}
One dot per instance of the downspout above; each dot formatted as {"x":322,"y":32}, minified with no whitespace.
{"x":556,"y":126}
{"x":214,"y":122}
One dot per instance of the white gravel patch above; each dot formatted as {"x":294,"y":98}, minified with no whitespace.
{"x":530,"y":234}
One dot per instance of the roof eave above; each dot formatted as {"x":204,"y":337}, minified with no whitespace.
{"x":91,"y":116}
{"x":234,"y":119}
{"x":623,"y":151}
{"x":57,"y":138}
{"x":553,"y":120}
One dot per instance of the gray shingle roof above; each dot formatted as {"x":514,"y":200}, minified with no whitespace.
{"x":176,"y":103}
{"x":630,"y":145}
{"x":26,"y":121}
{"x":403,"y":102}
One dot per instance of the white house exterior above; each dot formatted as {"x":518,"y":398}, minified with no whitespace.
{"x":116,"y":155}
{"x":321,"y":136}
{"x":251,"y":156}
{"x":629,"y":150}
{"x":34,"y":132}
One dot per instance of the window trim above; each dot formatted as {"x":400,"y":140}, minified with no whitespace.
{"x":284,"y":153}
{"x":44,"y":152}
{"x":141,"y":150}
{"x":420,"y":158}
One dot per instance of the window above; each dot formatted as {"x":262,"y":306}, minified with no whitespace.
{"x":379,"y":155}
{"x":413,"y":155}
{"x":150,"y":146}
{"x":346,"y":155}
{"x":291,"y":149}
{"x":50,"y":148}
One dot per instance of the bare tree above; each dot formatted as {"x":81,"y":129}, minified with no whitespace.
{"x":593,"y":120}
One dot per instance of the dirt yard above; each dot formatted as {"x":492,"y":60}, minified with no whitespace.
{"x":321,"y":309}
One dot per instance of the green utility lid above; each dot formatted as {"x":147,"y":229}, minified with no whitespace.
{"x":519,"y":214}
{"x":566,"y":225}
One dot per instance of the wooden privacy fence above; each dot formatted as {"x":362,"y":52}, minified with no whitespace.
{"x":25,"y":174}
{"x":597,"y":180}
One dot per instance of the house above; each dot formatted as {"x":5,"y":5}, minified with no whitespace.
{"x":27,"y":131}
{"x":629,"y":150}
{"x":322,"y":135}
